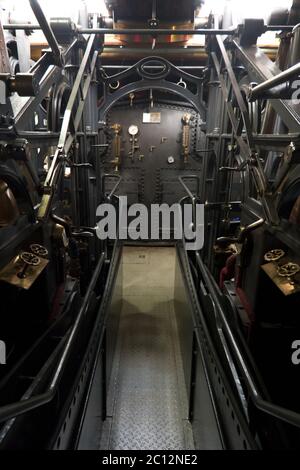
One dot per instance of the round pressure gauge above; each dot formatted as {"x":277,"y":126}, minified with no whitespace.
{"x":133,"y":130}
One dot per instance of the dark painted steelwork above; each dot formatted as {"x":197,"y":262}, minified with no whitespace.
{"x":47,"y":30}
{"x":274,"y":410}
{"x":66,"y":139}
{"x":234,"y":141}
{"x":154,"y":81}
{"x":16,"y":409}
{"x":216,"y":372}
{"x":247,"y":149}
{"x":260,"y":69}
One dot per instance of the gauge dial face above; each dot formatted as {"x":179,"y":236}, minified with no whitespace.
{"x":133,"y":129}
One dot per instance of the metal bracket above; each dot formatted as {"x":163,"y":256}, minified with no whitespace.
{"x":157,"y":79}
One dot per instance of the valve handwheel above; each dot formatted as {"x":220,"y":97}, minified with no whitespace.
{"x":288,"y":269}
{"x":274,"y":255}
{"x":29,"y":259}
{"x":39,"y":250}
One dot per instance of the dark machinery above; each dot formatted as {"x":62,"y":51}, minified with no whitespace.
{"x":75,"y":132}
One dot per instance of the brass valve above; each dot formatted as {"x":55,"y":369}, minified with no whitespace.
{"x":29,"y":259}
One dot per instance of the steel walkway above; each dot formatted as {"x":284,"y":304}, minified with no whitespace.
{"x":147,"y":404}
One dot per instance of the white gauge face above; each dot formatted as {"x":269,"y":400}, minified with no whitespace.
{"x":133,"y":130}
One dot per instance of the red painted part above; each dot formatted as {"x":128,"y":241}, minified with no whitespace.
{"x":228,"y":272}
{"x":295,"y":213}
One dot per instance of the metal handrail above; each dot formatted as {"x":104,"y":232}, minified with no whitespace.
{"x":18,"y":408}
{"x":194,"y":199}
{"x":187,"y":190}
{"x":279,"y":412}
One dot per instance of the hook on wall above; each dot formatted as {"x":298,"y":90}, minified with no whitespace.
{"x":182,"y":83}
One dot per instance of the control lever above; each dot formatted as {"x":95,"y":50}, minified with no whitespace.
{"x":114,"y":189}
{"x":48,"y":32}
{"x":241,"y":167}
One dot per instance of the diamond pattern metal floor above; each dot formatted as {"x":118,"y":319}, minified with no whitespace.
{"x":149,"y":406}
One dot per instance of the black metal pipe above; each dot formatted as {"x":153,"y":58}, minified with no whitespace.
{"x":142,"y":32}
{"x":276,"y":27}
{"x":25,"y":27}
{"x":158,"y":32}
{"x":282,"y":92}
{"x":204,"y":31}
{"x":283,"y":77}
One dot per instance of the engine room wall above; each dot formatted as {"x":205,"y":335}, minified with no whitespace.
{"x":150,"y":174}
